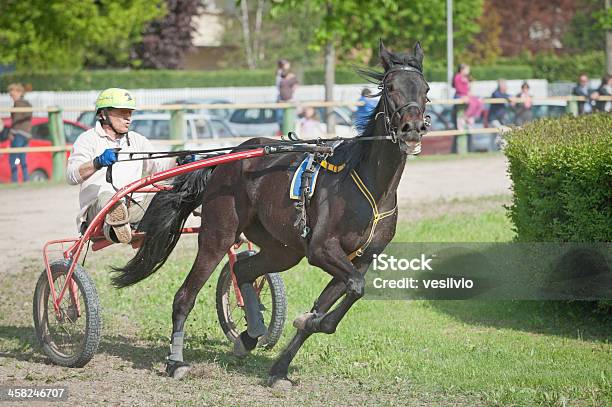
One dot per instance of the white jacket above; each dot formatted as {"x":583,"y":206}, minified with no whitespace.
{"x":91,"y":144}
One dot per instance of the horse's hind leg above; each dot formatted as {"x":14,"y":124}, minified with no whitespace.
{"x":213,"y":244}
{"x":273,"y":257}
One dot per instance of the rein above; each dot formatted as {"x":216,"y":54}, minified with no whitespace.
{"x":286,"y":146}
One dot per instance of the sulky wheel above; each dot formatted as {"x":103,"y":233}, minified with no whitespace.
{"x":72,"y":337}
{"x":272,"y":298}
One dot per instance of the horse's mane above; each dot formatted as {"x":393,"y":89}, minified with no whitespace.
{"x":352,"y":152}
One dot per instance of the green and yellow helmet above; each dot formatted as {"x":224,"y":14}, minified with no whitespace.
{"x":115,"y":98}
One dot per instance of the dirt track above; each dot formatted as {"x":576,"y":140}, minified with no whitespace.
{"x":32,"y":215}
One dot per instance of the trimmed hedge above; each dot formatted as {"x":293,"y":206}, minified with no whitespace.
{"x":555,"y":68}
{"x":561,"y":170}
{"x":147,"y":79}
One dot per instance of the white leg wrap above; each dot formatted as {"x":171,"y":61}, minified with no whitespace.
{"x":176,"y":347}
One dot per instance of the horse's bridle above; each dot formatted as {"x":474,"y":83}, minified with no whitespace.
{"x":389,"y":128}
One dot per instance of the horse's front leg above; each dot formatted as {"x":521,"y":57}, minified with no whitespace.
{"x":278,"y":373}
{"x":347,"y":280}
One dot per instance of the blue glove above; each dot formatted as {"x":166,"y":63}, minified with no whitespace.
{"x":107,"y":158}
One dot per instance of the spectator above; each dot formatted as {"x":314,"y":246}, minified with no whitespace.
{"x":309,"y":126}
{"x":523,"y":108}
{"x":605,"y":89}
{"x":474,"y":109}
{"x":20,"y":132}
{"x":582,"y":89}
{"x":363,"y":113}
{"x":461,"y":83}
{"x":498,"y":111}
{"x":286,"y":88}
{"x":282,"y":67}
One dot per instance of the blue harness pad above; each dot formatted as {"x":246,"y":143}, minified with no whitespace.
{"x":296,"y":182}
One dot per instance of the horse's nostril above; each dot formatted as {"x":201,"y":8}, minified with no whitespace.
{"x":406,"y":127}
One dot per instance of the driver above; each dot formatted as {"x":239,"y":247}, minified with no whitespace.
{"x":95,"y":149}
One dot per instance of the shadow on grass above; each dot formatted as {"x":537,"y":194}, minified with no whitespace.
{"x":144,"y":354}
{"x":576,"y":320}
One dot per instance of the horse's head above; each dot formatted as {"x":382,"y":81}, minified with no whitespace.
{"x":404,"y":96}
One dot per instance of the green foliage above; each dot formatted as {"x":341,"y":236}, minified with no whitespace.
{"x":43,"y":34}
{"x":587,"y":30}
{"x":562,"y":175}
{"x":555,"y":68}
{"x":357,"y":25}
{"x":151,"y":79}
{"x":139,"y":79}
{"x":562,"y":178}
{"x":568,"y":67}
{"x":283,"y":35}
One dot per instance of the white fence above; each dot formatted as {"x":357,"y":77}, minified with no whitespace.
{"x":345,"y":93}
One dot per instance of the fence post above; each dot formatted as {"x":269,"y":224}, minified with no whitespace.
{"x":288,"y":120}
{"x":56,"y":130}
{"x":571,"y":107}
{"x":461,"y":141}
{"x":177,"y":127}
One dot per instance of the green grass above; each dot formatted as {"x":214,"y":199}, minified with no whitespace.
{"x":474,"y":352}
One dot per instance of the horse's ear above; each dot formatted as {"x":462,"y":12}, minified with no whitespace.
{"x":385,"y":56}
{"x":418,"y":52}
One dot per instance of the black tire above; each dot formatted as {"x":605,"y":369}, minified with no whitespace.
{"x":39,"y":176}
{"x":73,"y":340}
{"x":272,"y":297}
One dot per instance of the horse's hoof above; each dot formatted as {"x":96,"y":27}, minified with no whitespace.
{"x":301,"y":320}
{"x":240,"y":351}
{"x":279,"y":383}
{"x":177,"y":370}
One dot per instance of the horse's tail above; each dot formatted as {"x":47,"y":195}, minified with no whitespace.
{"x":162,"y":224}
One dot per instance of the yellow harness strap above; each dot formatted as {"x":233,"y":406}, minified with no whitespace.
{"x":332,"y":167}
{"x":378,"y":216}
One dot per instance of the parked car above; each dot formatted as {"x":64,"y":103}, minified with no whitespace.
{"x":87,"y":118}
{"x":263,"y":122}
{"x":220,"y":113}
{"x":40,"y":165}
{"x":198,"y":131}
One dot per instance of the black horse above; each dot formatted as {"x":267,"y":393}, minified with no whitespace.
{"x":352,"y":216}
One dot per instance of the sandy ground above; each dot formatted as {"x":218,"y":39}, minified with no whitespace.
{"x":33,"y":215}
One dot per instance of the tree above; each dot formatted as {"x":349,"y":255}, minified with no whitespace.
{"x":64,"y":34}
{"x":354,"y":24}
{"x":166,"y":40}
{"x":277,"y":33}
{"x":534,"y":26}
{"x":252,"y":42}
{"x":484,"y":48}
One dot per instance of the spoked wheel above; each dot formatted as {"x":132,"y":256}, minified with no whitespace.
{"x":272,"y":299}
{"x":72,"y":337}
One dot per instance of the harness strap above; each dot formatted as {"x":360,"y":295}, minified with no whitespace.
{"x":377,"y":216}
{"x":331,"y":167}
